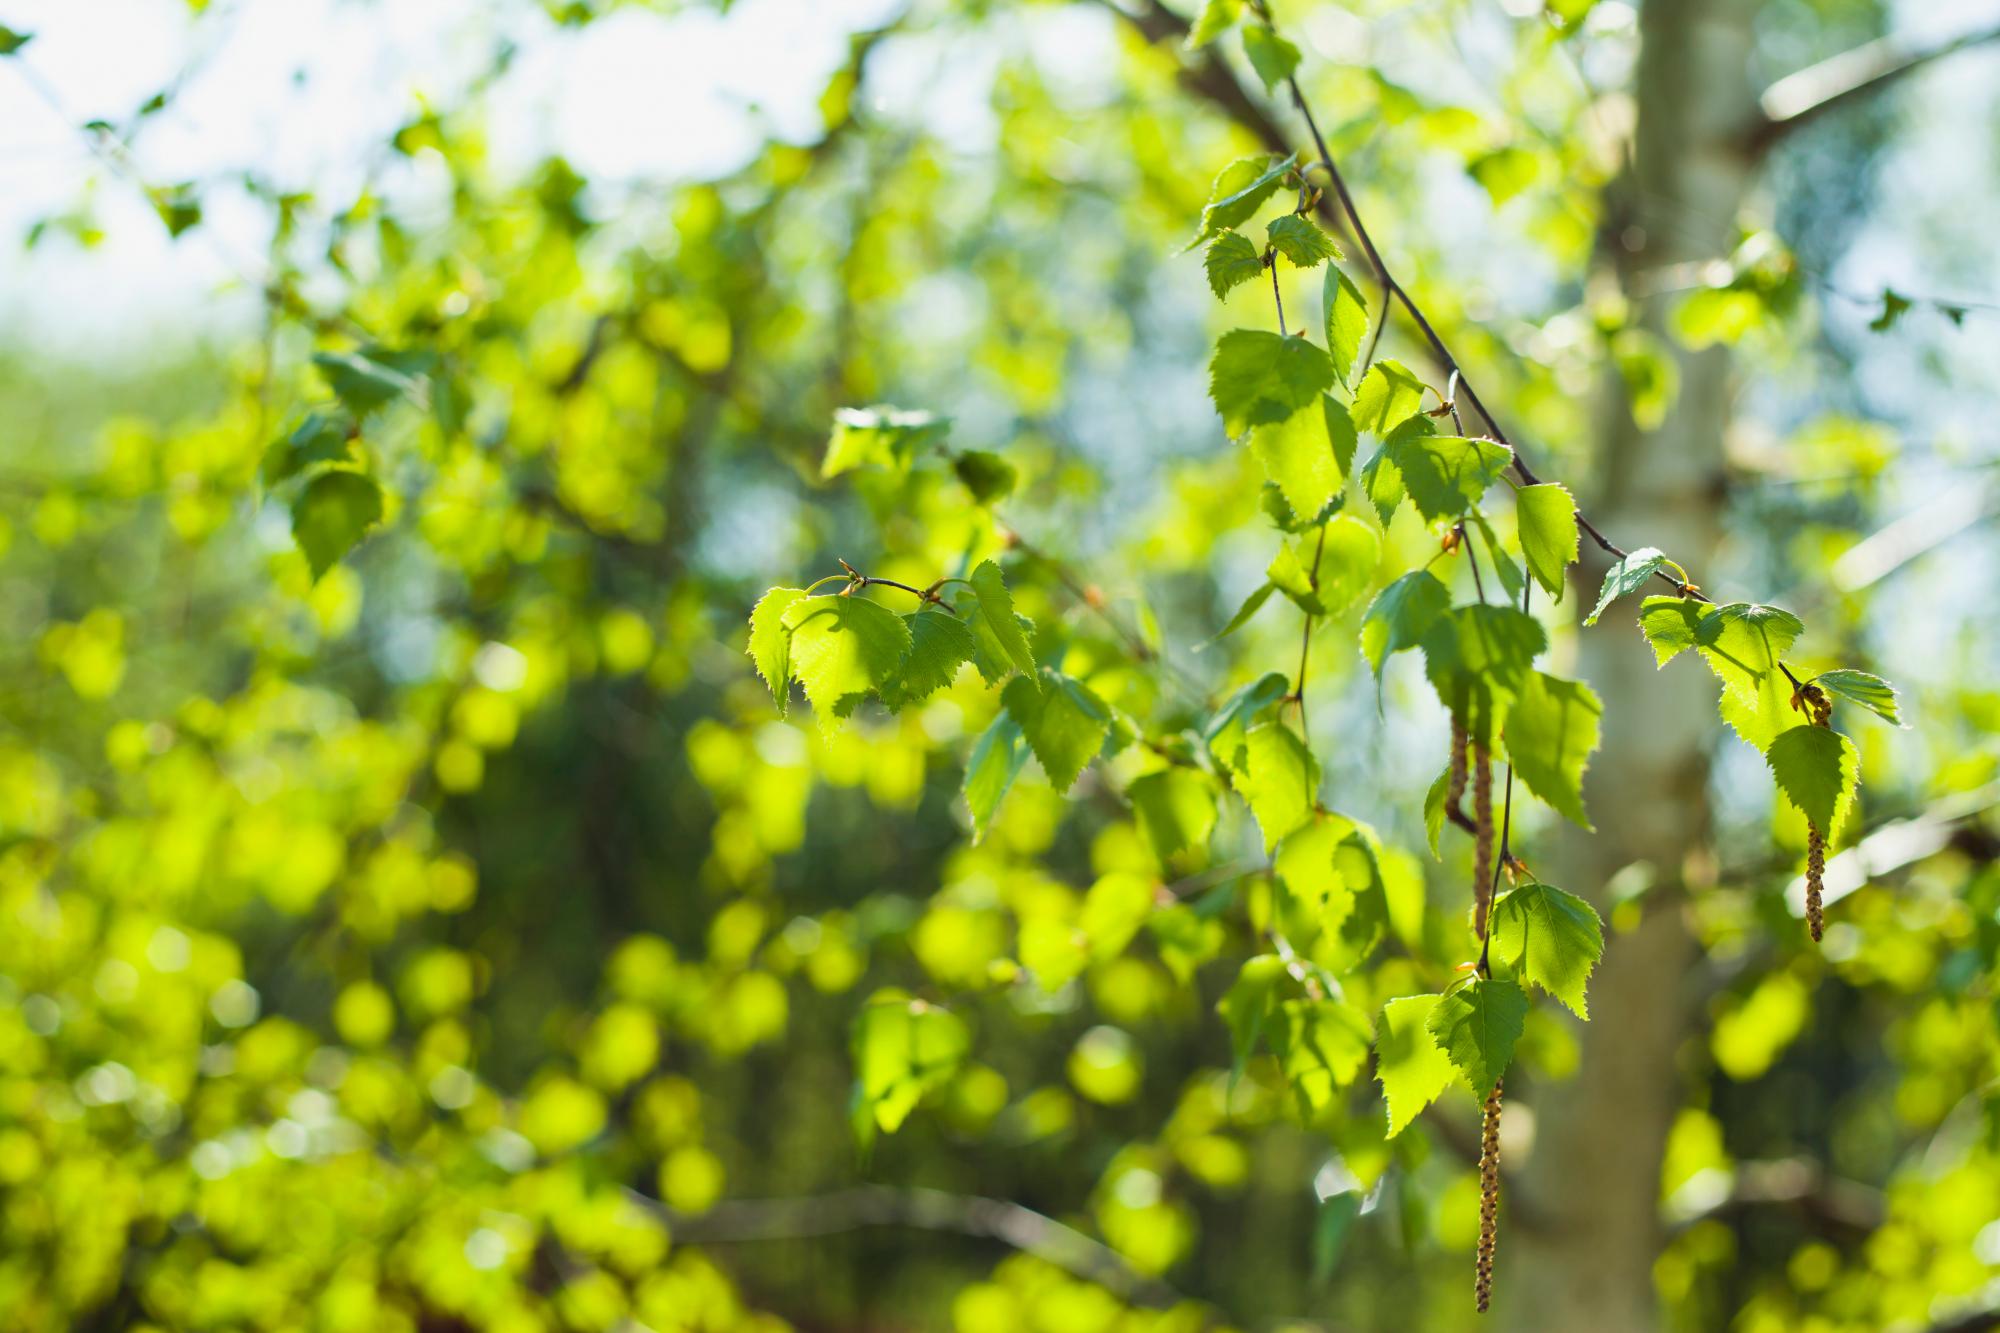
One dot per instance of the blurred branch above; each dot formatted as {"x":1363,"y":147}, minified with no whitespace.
{"x":1799,"y":99}
{"x":1793,"y":1181}
{"x":1012,"y":1224}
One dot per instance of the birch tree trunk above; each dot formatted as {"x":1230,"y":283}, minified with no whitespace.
{"x":1592,"y":1185}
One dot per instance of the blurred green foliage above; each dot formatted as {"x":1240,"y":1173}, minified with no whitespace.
{"x":417,"y":916}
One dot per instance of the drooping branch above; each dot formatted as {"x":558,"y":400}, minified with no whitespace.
{"x":1799,"y":99}
{"x":1012,"y":1224}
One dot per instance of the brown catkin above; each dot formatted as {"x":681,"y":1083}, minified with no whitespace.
{"x":1456,"y":790}
{"x":1482,"y":843}
{"x":1489,"y":1198}
{"x":1815,"y":879}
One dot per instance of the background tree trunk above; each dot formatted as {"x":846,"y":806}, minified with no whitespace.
{"x":1593,"y":1183}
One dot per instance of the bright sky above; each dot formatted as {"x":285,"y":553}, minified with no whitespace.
{"x":304,"y":90}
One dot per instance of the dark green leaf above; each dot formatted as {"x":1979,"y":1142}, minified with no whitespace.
{"x":1817,"y":770}
{"x":1231,"y":261}
{"x":1628,"y":575}
{"x":1240,"y":190}
{"x":1300,"y":240}
{"x":1878,"y":696}
{"x":988,"y":476}
{"x":332,"y":514}
{"x":1002,"y":642}
{"x":1553,"y":939}
{"x":1444,"y":474}
{"x":1400,"y":615}
{"x":997,"y":758}
{"x":1550,"y":733}
{"x":1477,"y":1025}
{"x":939,"y":645}
{"x":1064,"y":722}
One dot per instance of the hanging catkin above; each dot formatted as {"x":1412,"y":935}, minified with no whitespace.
{"x":1815,"y":880}
{"x":1456,"y":790}
{"x":1482,"y":849}
{"x":1489,"y":1197}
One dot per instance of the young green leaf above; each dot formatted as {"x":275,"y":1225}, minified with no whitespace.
{"x":1477,"y":1025}
{"x":13,"y":39}
{"x":1346,"y":321}
{"x":363,"y":381}
{"x":1347,"y":564}
{"x":1512,"y":580}
{"x":1476,"y":657}
{"x":1670,"y":625}
{"x":1413,"y":1068}
{"x":1307,"y":454}
{"x":1003,"y":644}
{"x":1227,"y":731}
{"x":1216,"y":18}
{"x":1400,"y":615}
{"x":1553,"y":938}
{"x":1257,"y":377}
{"x":1817,"y":770}
{"x":1628,"y":575}
{"x":1321,"y":1045}
{"x":1251,"y":606}
{"x":771,"y":643}
{"x":1444,"y":474}
{"x":1280,"y":780}
{"x":1176,"y":808}
{"x":1387,"y":396}
{"x":843,"y":647}
{"x":1249,"y":1004}
{"x":987,"y":475}
{"x":1550,"y":732}
{"x":881,"y":436}
{"x":1305,"y":863}
{"x":903,"y":1048}
{"x":1270,"y":55}
{"x":322,"y":437}
{"x":1546,"y":517}
{"x":1230,"y":261}
{"x":1065,"y":723}
{"x":332,"y":514}
{"x":1434,"y":812}
{"x":1873,"y":693}
{"x":1299,"y":239}
{"x":997,"y":758}
{"x":939,"y":645}
{"x":1240,"y":190}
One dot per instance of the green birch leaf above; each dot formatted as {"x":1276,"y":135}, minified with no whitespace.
{"x":771,"y":643}
{"x":842,"y":648}
{"x":903,"y":1048}
{"x":362,"y":382}
{"x":1305,"y":865}
{"x":1387,"y":396}
{"x":879,"y":436}
{"x":1511,"y":578}
{"x":1760,"y":713}
{"x":1553,"y":938}
{"x":1307,"y":455}
{"x":1873,"y":693}
{"x":1230,"y":261}
{"x":939,"y":645}
{"x":1434,"y":811}
{"x":1628,"y":575}
{"x":1321,"y":1045}
{"x":1248,"y":1005}
{"x":1347,"y":564}
{"x":1546,"y":517}
{"x":1251,"y":606}
{"x":1476,"y":657}
{"x":1413,"y":1068}
{"x":13,"y":39}
{"x":1550,"y":733}
{"x":332,"y":514}
{"x":1477,"y":1025}
{"x":1002,"y":642}
{"x":1176,"y":808}
{"x":1279,"y":781}
{"x":1743,"y":643}
{"x":1299,"y":239}
{"x":1065,"y":723}
{"x":1216,"y":18}
{"x":1346,"y":321}
{"x":997,"y":758}
{"x":1229,"y":729}
{"x":322,"y":437}
{"x":1240,"y":190}
{"x":1670,"y":625}
{"x":1445,"y":475}
{"x":1383,"y":485}
{"x":987,"y":475}
{"x":1257,"y":377}
{"x":1400,"y":615}
{"x":1270,"y":55}
{"x":1817,"y":770}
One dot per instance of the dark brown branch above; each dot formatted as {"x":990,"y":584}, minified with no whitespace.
{"x":1012,"y":1224}
{"x":1801,"y":98}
